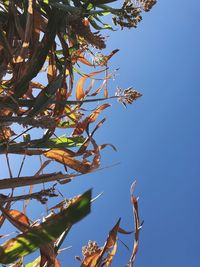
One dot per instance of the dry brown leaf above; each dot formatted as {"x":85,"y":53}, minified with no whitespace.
{"x":85,"y":145}
{"x":17,"y":218}
{"x":124,"y":232}
{"x":48,"y":255}
{"x":111,"y":255}
{"x":6,"y":133}
{"x":91,"y":261}
{"x":99,"y":88}
{"x":134,"y":201}
{"x":81,"y":126}
{"x":80,"y":94}
{"x":61,"y":156}
{"x":106,"y":58}
{"x":95,"y":258}
{"x":83,"y":60}
{"x":94,"y":115}
{"x":112,"y":237}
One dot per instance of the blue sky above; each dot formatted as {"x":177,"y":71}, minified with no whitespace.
{"x":157,"y":140}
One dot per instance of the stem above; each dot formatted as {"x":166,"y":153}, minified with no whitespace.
{"x":38,"y":196}
{"x":8,"y":183}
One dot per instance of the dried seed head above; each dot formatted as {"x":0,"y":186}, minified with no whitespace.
{"x":91,"y":248}
{"x":128,"y":96}
{"x":128,"y":16}
{"x":147,"y":4}
{"x":130,"y":13}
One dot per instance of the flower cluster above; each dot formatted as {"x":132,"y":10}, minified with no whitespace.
{"x":147,"y":4}
{"x":91,"y":248}
{"x":128,"y":16}
{"x":130,"y":13}
{"x":128,"y":96}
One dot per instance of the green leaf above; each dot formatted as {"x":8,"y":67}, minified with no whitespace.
{"x":33,"y":263}
{"x":26,"y":137}
{"x":63,"y":142}
{"x":90,"y":6}
{"x":97,"y":2}
{"x":47,"y":231}
{"x":59,"y":142}
{"x":96,"y":26}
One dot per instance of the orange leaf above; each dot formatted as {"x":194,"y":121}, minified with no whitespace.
{"x":62,"y":156}
{"x":17,"y":218}
{"x":91,"y":261}
{"x":94,"y":115}
{"x":83,"y":60}
{"x":6,"y":133}
{"x":111,"y":255}
{"x":79,"y":87}
{"x":81,"y":126}
{"x":108,"y":57}
{"x":95,"y":259}
{"x":57,"y":263}
{"x":112,"y":237}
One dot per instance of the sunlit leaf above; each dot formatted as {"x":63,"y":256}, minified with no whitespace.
{"x":93,"y":257}
{"x":46,"y":232}
{"x":80,"y":94}
{"x":111,"y":255}
{"x":35,"y":263}
{"x":15,"y":217}
{"x":62,"y":156}
{"x":81,"y":126}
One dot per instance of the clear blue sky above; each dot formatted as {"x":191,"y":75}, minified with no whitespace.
{"x":158,"y":142}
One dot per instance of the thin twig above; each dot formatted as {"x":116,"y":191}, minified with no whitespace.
{"x":21,"y":166}
{"x":40,"y":196}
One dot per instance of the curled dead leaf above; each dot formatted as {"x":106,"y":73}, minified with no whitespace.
{"x":80,"y":94}
{"x":62,"y":156}
{"x":81,"y":126}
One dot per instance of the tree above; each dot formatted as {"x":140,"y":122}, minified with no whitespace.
{"x":54,"y":38}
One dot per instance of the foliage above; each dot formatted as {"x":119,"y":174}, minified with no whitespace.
{"x":60,"y":40}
